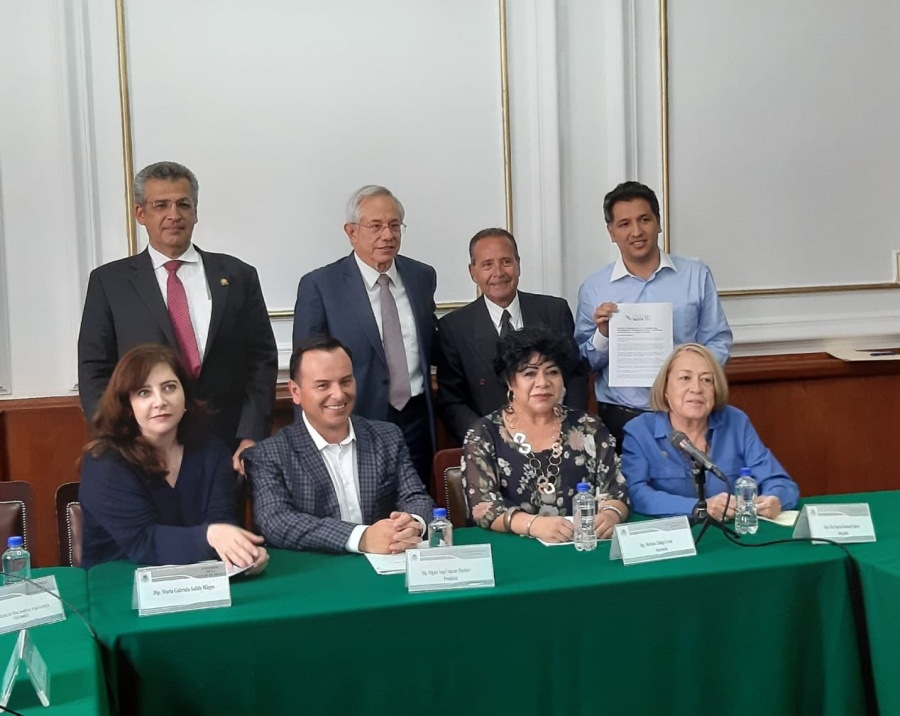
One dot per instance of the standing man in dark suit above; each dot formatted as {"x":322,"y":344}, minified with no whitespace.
{"x":208,"y":307}
{"x":381,"y":306}
{"x":329,"y":482}
{"x":468,"y":387}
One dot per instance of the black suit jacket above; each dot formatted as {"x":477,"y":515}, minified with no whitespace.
{"x":332,"y":300}
{"x":468,"y":387}
{"x":124,"y":307}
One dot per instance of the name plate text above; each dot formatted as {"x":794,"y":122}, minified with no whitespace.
{"x":181,"y":588}
{"x":27,"y":604}
{"x":851,"y":522}
{"x":441,"y":568}
{"x":652,"y":541}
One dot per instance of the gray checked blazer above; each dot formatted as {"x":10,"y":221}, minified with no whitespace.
{"x":294,"y":503}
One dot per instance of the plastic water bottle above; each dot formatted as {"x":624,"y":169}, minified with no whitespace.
{"x":584,"y":509}
{"x":16,"y":561}
{"x":745,"y":518}
{"x":440,"y":531}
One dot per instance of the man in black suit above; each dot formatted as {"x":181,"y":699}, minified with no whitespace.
{"x":208,"y":307}
{"x":468,"y":387}
{"x":356,"y":297}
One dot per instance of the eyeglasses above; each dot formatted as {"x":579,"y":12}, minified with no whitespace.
{"x":378,"y":228}
{"x":185,"y":206}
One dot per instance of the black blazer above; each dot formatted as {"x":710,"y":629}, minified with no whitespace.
{"x":468,"y":388}
{"x":124,"y":307}
{"x":332,"y":300}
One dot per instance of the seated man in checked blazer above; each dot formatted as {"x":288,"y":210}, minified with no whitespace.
{"x":330,"y":482}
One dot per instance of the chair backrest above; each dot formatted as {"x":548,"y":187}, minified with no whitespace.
{"x":17,"y":513}
{"x":69,"y":524}
{"x":447,"y":486}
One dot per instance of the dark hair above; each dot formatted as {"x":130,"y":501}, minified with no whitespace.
{"x":115,"y":428}
{"x":314,"y":343}
{"x":516,"y":350}
{"x":628,"y":191}
{"x":487,"y":233}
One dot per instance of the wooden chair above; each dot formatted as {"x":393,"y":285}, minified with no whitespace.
{"x":69,"y":524}
{"x":17,"y":512}
{"x":447,"y":486}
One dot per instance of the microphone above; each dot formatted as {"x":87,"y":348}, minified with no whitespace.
{"x":683,"y":443}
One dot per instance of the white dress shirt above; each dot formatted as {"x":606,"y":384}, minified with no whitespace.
{"x":340,"y":461}
{"x":496,"y":312}
{"x":407,"y":320}
{"x":196,"y":288}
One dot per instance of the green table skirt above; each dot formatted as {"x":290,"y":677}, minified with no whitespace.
{"x":747,"y":631}
{"x":77,"y":687}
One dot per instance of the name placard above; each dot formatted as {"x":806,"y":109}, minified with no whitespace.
{"x":181,"y":588}
{"x":27,"y":604}
{"x":26,"y":652}
{"x":851,"y":522}
{"x":441,"y":568}
{"x":654,"y":540}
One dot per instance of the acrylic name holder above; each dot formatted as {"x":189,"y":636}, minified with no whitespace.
{"x":838,"y":523}
{"x":26,"y":652}
{"x":651,"y":541}
{"x":27,"y":604}
{"x":180,"y":588}
{"x":442,"y":568}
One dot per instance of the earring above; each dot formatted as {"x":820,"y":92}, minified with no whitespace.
{"x":509,"y":401}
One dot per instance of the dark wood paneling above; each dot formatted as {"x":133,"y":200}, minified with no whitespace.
{"x":832,"y":424}
{"x":42,"y":441}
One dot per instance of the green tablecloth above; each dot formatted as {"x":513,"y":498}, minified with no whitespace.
{"x":73,"y":658}
{"x":878,"y":565}
{"x":740,"y":630}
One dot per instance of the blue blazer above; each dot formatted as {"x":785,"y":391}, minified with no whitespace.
{"x":294,"y":503}
{"x":332,"y":300}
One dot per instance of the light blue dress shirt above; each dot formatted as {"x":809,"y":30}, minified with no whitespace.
{"x":659,"y":478}
{"x":697,"y":316}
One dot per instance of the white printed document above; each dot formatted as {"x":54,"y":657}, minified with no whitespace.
{"x":640,"y":339}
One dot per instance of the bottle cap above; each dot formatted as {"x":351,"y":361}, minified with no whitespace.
{"x":440,"y":512}
{"x":14,"y":542}
{"x":745,"y":472}
{"x":583,"y":487}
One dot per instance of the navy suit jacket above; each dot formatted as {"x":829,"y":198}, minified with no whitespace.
{"x":332,"y":301}
{"x":468,"y":387}
{"x":294,"y":502}
{"x":124,"y":307}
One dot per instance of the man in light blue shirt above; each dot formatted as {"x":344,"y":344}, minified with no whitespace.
{"x":643,"y":274}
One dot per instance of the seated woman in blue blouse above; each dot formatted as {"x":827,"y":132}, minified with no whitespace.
{"x":155,"y":489}
{"x":690,"y":394}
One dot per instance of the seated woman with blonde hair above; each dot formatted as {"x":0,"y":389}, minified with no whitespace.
{"x":521,"y":464}
{"x":155,"y":488}
{"x":690,"y":394}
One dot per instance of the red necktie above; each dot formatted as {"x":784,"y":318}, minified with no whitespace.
{"x":180,"y":315}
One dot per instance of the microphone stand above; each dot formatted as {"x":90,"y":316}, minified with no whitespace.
{"x":702,"y":514}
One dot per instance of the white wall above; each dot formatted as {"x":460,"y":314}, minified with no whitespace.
{"x":781,"y":161}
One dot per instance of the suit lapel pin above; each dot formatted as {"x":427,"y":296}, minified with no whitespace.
{"x":223,"y":281}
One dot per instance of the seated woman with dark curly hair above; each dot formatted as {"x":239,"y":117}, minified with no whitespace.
{"x":521,"y":463}
{"x":154,"y":488}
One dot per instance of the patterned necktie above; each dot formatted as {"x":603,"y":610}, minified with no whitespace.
{"x":505,"y":324}
{"x":394,"y":350}
{"x":180,"y":315}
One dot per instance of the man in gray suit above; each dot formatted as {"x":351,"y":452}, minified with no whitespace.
{"x":330,"y":482}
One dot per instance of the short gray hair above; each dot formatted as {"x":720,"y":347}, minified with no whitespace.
{"x":167,"y":171}
{"x":367,"y":192}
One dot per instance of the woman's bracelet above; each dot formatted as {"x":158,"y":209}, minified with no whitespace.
{"x":615,"y":509}
{"x":528,"y":526}
{"x":507,"y":518}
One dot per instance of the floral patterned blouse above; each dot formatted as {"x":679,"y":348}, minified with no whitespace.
{"x":497,"y":476}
